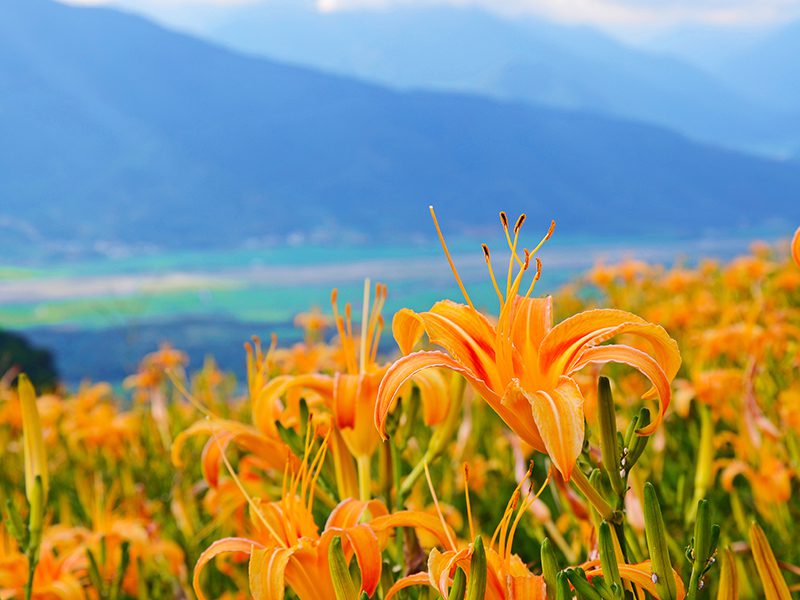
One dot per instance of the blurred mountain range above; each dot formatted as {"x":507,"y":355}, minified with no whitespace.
{"x":117,"y":130}
{"x":741,"y":104}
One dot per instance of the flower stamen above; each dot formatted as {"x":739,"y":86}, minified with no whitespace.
{"x":450,"y":259}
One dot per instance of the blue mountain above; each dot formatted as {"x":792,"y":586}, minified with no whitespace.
{"x":770,"y":68}
{"x":527,"y":59}
{"x":115,"y":129}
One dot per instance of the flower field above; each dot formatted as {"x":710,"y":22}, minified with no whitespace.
{"x":637,"y":435}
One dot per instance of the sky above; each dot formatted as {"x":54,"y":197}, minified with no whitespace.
{"x":602,"y":13}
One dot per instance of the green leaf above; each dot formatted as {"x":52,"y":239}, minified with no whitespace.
{"x":459,"y":587}
{"x":478,"y":575}
{"x":657,"y":545}
{"x":343,"y":584}
{"x":550,"y":568}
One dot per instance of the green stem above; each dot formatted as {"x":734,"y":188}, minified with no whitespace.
{"x":399,"y":501}
{"x":364,"y":477}
{"x":33,"y":561}
{"x":412,"y":477}
{"x":599,"y":503}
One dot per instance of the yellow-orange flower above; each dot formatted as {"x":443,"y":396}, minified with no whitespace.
{"x":286,"y":548}
{"x":521,"y":364}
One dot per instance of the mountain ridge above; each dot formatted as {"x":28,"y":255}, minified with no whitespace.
{"x":461,"y":48}
{"x":195,"y":145}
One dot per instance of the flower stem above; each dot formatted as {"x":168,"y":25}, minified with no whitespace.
{"x":364,"y":477}
{"x":593,"y":496}
{"x":33,"y":561}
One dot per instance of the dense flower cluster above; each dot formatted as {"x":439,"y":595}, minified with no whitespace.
{"x":547,"y":449}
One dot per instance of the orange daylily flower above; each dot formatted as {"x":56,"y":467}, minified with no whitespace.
{"x":266,"y":452}
{"x":287,"y":549}
{"x":508,"y":577}
{"x":350,"y":394}
{"x":521,"y":364}
{"x":770,"y":480}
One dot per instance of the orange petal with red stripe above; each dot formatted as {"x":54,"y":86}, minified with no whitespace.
{"x":639,"y":360}
{"x":407,"y":367}
{"x":411,"y":518}
{"x":223,"y":546}
{"x":267,"y":573}
{"x":407,"y":582}
{"x":558,"y":414}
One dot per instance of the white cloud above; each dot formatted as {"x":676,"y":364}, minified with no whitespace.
{"x":155,"y":4}
{"x":614,"y":12}
{"x":650,"y":13}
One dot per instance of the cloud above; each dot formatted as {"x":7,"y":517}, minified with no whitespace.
{"x":652,"y":13}
{"x":614,"y":12}
{"x":156,"y":4}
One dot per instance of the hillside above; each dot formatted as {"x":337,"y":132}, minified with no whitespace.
{"x":459,"y":48}
{"x":769,"y":67}
{"x":104,"y":114}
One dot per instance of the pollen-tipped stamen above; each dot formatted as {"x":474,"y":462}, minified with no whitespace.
{"x":514,"y":255}
{"x":535,"y":277}
{"x":508,"y":510}
{"x":450,"y":259}
{"x":488,"y":258}
{"x":469,"y":504}
{"x":450,"y":539}
{"x":522,"y":510}
{"x":506,"y":230}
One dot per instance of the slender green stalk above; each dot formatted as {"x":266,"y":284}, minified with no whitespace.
{"x":594,"y":497}
{"x":364,"y":478}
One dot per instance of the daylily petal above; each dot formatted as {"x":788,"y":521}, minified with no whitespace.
{"x":264,"y":403}
{"x":533,"y":319}
{"x":640,"y":574}
{"x":562,"y":347}
{"x":466,"y":335}
{"x":345,"y":398}
{"x":406,"y":368}
{"x":639,"y":360}
{"x":796,"y":247}
{"x":272,"y":452}
{"x":416,"y":519}
{"x":559,"y":418}
{"x":774,"y":584}
{"x":67,"y":588}
{"x":267,"y":572}
{"x":406,"y":582}
{"x":349,"y":512}
{"x":569,"y":335}
{"x":223,"y":546}
{"x":365,"y":545}
{"x":530,"y":587}
{"x":440,"y":565}
{"x":473,"y":322}
{"x":407,"y":329}
{"x":211,"y":457}
{"x":435,"y":393}
{"x":515,"y":410}
{"x":728,"y":577}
